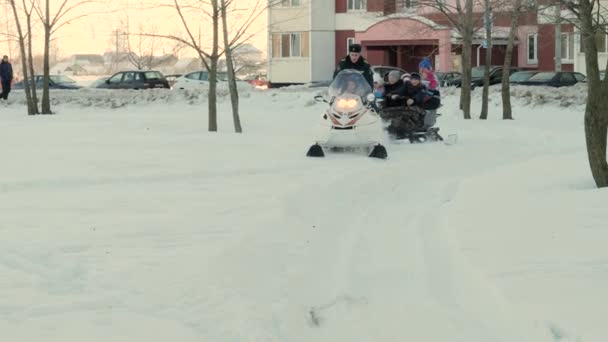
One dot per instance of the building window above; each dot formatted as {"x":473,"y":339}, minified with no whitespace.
{"x":567,"y":46}
{"x":349,"y":41}
{"x":532,"y":48}
{"x":291,"y":3}
{"x":357,"y":5}
{"x":531,"y":4}
{"x":404,"y":5}
{"x":290,"y":45}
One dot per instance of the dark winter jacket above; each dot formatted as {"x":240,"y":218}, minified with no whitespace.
{"x":393,"y":89}
{"x":422,"y":96}
{"x":6,"y":71}
{"x":416,"y":93}
{"x":362,"y":65}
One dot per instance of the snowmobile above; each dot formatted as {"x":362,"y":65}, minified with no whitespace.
{"x":411,"y":122}
{"x":351,"y":122}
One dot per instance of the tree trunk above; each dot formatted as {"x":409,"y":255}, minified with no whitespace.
{"x":596,"y":112}
{"x":46,"y":101}
{"x":23,"y":54}
{"x":234,"y":93}
{"x":34,"y":96}
{"x":213,"y":69}
{"x":467,"y":46}
{"x":486,"y":75}
{"x":596,"y":133}
{"x":507,"y":113}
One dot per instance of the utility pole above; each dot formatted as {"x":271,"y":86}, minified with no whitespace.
{"x":558,"y":36}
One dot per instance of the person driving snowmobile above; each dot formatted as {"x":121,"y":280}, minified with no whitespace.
{"x":355,"y":61}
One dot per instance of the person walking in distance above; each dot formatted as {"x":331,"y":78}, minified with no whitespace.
{"x":6,"y":76}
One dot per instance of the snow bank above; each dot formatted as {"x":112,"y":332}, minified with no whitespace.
{"x":106,"y":98}
{"x":532,"y":96}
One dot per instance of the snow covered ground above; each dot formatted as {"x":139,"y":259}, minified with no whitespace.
{"x":130,"y":222}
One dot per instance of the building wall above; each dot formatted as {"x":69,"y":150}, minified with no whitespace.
{"x":284,"y":20}
{"x":290,"y":19}
{"x":522,"y":51}
{"x":375,"y":5}
{"x":340,"y":6}
{"x":546,"y":48}
{"x":498,"y":55}
{"x":322,"y":15}
{"x":322,"y":56}
{"x":358,"y":21}
{"x":340,"y":43}
{"x":290,"y":70}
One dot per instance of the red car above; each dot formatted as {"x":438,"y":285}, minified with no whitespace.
{"x":258,"y":81}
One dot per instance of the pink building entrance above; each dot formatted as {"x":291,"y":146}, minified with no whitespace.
{"x":403,"y":42}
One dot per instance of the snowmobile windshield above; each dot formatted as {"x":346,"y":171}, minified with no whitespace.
{"x":349,"y":82}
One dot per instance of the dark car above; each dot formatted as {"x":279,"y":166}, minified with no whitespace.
{"x":446,"y":78}
{"x":521,"y":76}
{"x":555,"y":79}
{"x":136,"y":80}
{"x":55,"y":82}
{"x":477,"y":74}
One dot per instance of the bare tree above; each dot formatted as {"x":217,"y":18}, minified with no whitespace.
{"x":235,"y":38}
{"x":460,"y":16}
{"x":141,"y":56}
{"x":210,"y":10}
{"x":25,"y":50}
{"x":488,"y":19}
{"x":212,"y":65}
{"x":28,"y":15}
{"x":507,"y":112}
{"x":52,"y":23}
{"x":234,"y":94}
{"x":591,"y":19}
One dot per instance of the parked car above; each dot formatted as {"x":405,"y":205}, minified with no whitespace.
{"x":195,"y":79}
{"x":521,"y":76}
{"x":477,"y":75}
{"x":446,"y":78}
{"x":555,"y":79}
{"x":383,"y":70}
{"x":99,"y":83}
{"x":258,"y":81}
{"x":55,"y":82}
{"x":137,"y":79}
{"x":200,"y":78}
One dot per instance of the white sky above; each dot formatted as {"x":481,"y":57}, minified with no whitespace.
{"x":93,"y":33}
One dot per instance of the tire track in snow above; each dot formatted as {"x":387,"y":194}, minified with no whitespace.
{"x":387,"y":265}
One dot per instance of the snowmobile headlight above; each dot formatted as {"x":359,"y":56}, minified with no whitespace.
{"x":347,"y":104}
{"x":371,"y":97}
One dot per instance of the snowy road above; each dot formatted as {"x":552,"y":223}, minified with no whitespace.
{"x":136,"y":225}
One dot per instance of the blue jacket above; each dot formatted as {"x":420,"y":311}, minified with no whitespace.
{"x":6,"y":71}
